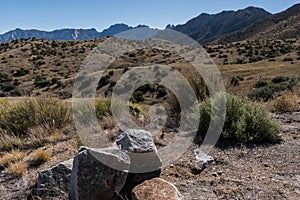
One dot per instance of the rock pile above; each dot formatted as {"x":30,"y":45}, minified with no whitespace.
{"x":110,"y":173}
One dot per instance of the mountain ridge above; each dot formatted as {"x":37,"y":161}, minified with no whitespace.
{"x":269,"y":28}
{"x":206,"y":28}
{"x":66,"y":33}
{"x":250,"y":23}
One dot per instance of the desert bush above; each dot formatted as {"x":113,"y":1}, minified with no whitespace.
{"x":8,"y":141}
{"x":267,"y":92}
{"x":41,"y":82}
{"x":245,"y":121}
{"x":234,"y":81}
{"x":103,"y":81}
{"x":21,"y":72}
{"x":19,"y":117}
{"x":161,"y":91}
{"x":285,"y":103}
{"x":280,"y":79}
{"x":287,"y":59}
{"x":103,"y":107}
{"x":260,"y":84}
{"x":137,"y":96}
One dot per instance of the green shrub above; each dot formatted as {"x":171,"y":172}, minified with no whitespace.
{"x":245,"y":121}
{"x":280,"y":79}
{"x":260,"y":84}
{"x":161,"y":91}
{"x":267,"y":92}
{"x":103,"y":81}
{"x":21,"y":72}
{"x":103,"y":107}
{"x":287,"y":59}
{"x":234,"y":81}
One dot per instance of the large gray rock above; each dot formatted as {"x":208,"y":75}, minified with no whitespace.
{"x":55,"y":181}
{"x":98,"y":174}
{"x":145,"y":163}
{"x":140,"y":147}
{"x":157,"y":189}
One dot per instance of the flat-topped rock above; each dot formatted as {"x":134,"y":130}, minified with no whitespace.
{"x":98,"y":173}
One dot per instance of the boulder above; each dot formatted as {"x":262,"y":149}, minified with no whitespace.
{"x":140,"y":147}
{"x":55,"y":181}
{"x":155,"y":189}
{"x":145,"y":163}
{"x":98,"y":173}
{"x":202,"y":159}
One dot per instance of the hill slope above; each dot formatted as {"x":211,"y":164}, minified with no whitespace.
{"x":283,"y":25}
{"x":206,"y":28}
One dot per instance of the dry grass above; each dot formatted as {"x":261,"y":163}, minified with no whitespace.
{"x":285,"y":103}
{"x":11,"y":157}
{"x":40,"y":156}
{"x":17,"y":168}
{"x":8,"y":141}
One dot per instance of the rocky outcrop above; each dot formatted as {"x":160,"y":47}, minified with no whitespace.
{"x":156,"y":189}
{"x":98,"y":173}
{"x":55,"y":181}
{"x":145,"y":163}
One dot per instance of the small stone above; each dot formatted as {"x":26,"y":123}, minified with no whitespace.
{"x":157,"y":189}
{"x":202,"y":159}
{"x":214,"y":174}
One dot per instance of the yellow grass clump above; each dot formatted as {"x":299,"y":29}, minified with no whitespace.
{"x":286,"y":103}
{"x":11,"y":157}
{"x":17,"y":168}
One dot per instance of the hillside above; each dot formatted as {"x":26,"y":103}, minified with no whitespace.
{"x":283,"y":25}
{"x":206,"y":28}
{"x":33,"y":67}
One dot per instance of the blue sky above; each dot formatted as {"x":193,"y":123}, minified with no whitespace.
{"x":56,"y":14}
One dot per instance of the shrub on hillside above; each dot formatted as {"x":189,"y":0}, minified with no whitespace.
{"x":267,"y":92}
{"x":260,"y":84}
{"x":103,"y":107}
{"x":280,"y":79}
{"x":245,"y":121}
{"x":19,"y":117}
{"x":285,"y":103}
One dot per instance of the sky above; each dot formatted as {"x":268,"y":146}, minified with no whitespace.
{"x":56,"y":14}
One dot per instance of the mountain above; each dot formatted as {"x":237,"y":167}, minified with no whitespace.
{"x":65,"y":34}
{"x":283,"y":25}
{"x":206,"y":28}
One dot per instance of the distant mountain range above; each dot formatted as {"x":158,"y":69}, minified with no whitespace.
{"x":224,"y":27}
{"x":66,"y":34}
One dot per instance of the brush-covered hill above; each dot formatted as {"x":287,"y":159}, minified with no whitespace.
{"x":33,"y":67}
{"x":284,"y":25}
{"x":206,"y":28}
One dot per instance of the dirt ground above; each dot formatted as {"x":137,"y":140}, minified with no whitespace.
{"x":239,"y":172}
{"x":245,"y":172}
